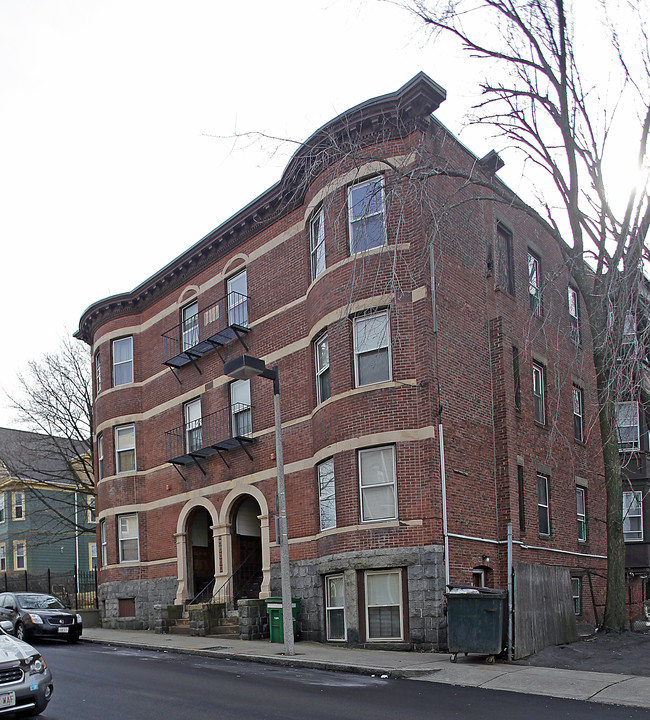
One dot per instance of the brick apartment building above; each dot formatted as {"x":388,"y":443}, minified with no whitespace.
{"x":421,"y":330}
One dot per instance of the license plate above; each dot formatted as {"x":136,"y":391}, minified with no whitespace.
{"x":8,"y":699}
{"x":63,"y":629}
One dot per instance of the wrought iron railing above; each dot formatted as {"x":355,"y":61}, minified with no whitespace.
{"x":243,"y":582}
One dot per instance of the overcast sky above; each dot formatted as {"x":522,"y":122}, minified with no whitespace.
{"x":116,"y":126}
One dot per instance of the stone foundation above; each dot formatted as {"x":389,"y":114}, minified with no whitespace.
{"x":145,"y":595}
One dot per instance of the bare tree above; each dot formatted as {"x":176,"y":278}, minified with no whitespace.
{"x":567,"y":128}
{"x":54,"y":405}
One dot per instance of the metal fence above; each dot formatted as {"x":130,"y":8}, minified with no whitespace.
{"x":75,"y":588}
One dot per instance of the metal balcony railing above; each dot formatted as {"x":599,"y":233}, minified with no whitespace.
{"x":211,"y":328}
{"x":225,"y":429}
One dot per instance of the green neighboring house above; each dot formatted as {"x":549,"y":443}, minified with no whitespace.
{"x":47,"y":517}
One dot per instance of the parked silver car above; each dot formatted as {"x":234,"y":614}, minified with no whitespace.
{"x":25,"y":679}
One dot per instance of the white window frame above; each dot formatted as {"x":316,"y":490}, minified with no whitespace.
{"x":193,"y":425}
{"x":92,"y":555}
{"x":578,"y":413}
{"x":18,"y":544}
{"x":90,"y":502}
{"x":581,"y":513}
{"x":240,"y":409}
{"x":573,"y":300}
{"x":3,"y":557}
{"x":102,"y":538}
{"x":98,"y":374}
{"x":543,"y":505}
{"x":632,"y":508}
{"x":376,"y":185}
{"x":360,"y":350}
{"x":576,"y":594}
{"x":368,"y":488}
{"x":237,"y":300}
{"x":126,"y":342}
{"x":330,"y":608}
{"x":534,"y":284}
{"x":15,"y":505}
{"x":326,"y":494}
{"x":190,"y":326}
{"x":123,"y":538}
{"x":3,"y":513}
{"x":626,"y":411}
{"x":317,"y":244}
{"x":400,"y":605}
{"x":100,"y":456}
{"x":539,"y":402}
{"x":122,"y":430}
{"x":322,"y":370}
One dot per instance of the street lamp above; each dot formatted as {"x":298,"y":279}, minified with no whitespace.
{"x":244,"y":368}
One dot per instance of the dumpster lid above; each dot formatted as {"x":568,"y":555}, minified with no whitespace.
{"x":472,"y":590}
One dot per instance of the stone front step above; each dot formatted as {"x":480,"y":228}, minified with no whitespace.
{"x":179,"y":629}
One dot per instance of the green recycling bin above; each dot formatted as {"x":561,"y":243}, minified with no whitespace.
{"x":276,"y":618}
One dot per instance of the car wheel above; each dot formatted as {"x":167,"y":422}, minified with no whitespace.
{"x":21,"y":633}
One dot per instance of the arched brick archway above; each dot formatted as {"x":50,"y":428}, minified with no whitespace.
{"x":196,"y":555}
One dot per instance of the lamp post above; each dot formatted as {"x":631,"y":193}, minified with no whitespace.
{"x":243,"y":368}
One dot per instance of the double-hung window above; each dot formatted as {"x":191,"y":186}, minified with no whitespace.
{"x":574,"y":314}
{"x":193,"y":426}
{"x":102,"y":537}
{"x":383,"y":590}
{"x":190,"y":325}
{"x":627,"y":426}
{"x":238,"y":300}
{"x":98,"y":374}
{"x":3,"y":557}
{"x":372,"y":361}
{"x":125,"y":448}
{"x":20,"y":555}
{"x":100,"y":456}
{"x":3,"y":515}
{"x":534,"y":284}
{"x":240,"y":408}
{"x":335,"y":607}
{"x":505,"y":274}
{"x":633,"y":516}
{"x":326,"y":494}
{"x":578,"y":414}
{"x":366,"y":215}
{"x":19,"y":506}
{"x":128,"y":538}
{"x":378,"y":484}
{"x":317,"y":244}
{"x":539,"y":406}
{"x":92,"y":556}
{"x":90,"y":507}
{"x":543,"y":511}
{"x":322,"y":359}
{"x":123,"y":361}
{"x":581,"y":508}
{"x":576,"y":592}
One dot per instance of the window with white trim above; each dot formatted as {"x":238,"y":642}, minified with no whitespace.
{"x":372,"y":360}
{"x":190,"y":325}
{"x":125,"y":448}
{"x":574,"y":314}
{"x":122,"y":361}
{"x":20,"y":555}
{"x":3,"y":515}
{"x":366,"y":215}
{"x":576,"y":594}
{"x":543,"y":512}
{"x":578,"y":414}
{"x":193,"y":426}
{"x":128,"y":538}
{"x":100,"y":456}
{"x":534,"y":284}
{"x":317,"y":244}
{"x":18,"y":505}
{"x":538,"y":393}
{"x":581,"y":510}
{"x":627,"y":426}
{"x":92,"y":556}
{"x":326,"y":494}
{"x":90,"y":505}
{"x":238,"y":300}
{"x":383,"y":591}
{"x":3,"y":557}
{"x":322,"y":359}
{"x":98,"y":374}
{"x":102,"y":538}
{"x":240,"y":408}
{"x":633,"y":516}
{"x":335,"y":607}
{"x":378,"y":484}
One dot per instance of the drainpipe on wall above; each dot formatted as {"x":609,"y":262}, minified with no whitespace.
{"x":510,"y":603}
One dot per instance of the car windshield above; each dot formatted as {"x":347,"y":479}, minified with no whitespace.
{"x":40,"y":602}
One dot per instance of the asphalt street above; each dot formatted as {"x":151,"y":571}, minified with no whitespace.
{"x":94,"y":682}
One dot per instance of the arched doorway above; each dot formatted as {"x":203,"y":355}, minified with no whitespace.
{"x":200,"y":550}
{"x":246,"y":548}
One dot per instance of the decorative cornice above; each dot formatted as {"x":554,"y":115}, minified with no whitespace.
{"x":373,"y":121}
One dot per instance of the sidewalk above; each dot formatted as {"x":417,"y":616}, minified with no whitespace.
{"x":608,"y":688}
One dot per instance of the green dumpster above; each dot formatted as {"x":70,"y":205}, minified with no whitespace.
{"x":476,"y":621}
{"x":276,"y":618}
